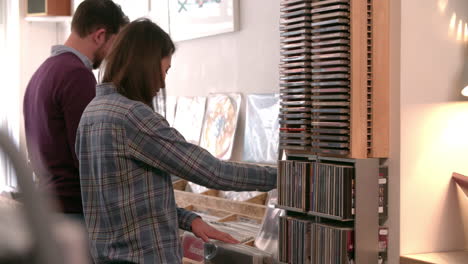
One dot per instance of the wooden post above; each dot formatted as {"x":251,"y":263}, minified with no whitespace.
{"x":358,"y":113}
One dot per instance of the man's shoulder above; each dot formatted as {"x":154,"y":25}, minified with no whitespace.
{"x":67,"y":63}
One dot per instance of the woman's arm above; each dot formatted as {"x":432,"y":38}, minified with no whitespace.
{"x":154,"y":143}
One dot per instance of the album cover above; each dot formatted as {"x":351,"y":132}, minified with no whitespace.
{"x":220,"y":124}
{"x":189,"y":117}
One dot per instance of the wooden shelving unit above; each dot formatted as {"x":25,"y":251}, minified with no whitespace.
{"x":366,"y":218}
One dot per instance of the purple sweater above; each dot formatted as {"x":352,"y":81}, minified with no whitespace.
{"x":55,"y":98}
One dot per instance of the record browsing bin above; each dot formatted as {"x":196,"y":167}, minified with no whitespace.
{"x":332,"y":209}
{"x":220,"y":211}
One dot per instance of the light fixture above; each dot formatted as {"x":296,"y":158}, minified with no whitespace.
{"x":464,"y":91}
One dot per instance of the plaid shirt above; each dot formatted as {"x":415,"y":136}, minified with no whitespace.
{"x":126,"y":154}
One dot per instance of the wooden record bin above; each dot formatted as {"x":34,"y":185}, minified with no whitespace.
{"x":334,"y":78}
{"x":209,"y":202}
{"x":49,"y":8}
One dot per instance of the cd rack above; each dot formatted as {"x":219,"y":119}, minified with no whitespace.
{"x":346,"y":220}
{"x":334,"y":78}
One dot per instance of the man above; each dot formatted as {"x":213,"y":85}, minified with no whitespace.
{"x":57,"y":95}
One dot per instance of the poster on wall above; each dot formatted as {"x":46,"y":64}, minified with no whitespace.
{"x":189,"y":19}
{"x":220,"y":124}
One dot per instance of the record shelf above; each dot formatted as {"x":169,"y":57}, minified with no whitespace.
{"x":364,"y":221}
{"x":334,"y":125}
{"x":334,"y":77}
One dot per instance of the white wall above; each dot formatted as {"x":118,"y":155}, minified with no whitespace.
{"x":36,"y":41}
{"x":245,"y":61}
{"x":434,"y":125}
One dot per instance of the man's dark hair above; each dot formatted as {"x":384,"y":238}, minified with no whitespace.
{"x":94,"y":14}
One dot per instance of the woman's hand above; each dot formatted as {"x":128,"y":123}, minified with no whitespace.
{"x":204,"y":231}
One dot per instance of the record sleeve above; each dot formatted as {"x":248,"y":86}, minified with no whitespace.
{"x":295,"y":115}
{"x":294,"y":122}
{"x":330,"y":137}
{"x":220,"y":124}
{"x":329,"y":90}
{"x":294,"y":52}
{"x":338,"y":55}
{"x":295,"y":103}
{"x":295,"y":58}
{"x":329,"y":83}
{"x":330,"y":110}
{"x":302,"y":37}
{"x":330,"y":70}
{"x":291,"y":7}
{"x":288,"y":109}
{"x":305,"y":12}
{"x":290,"y":27}
{"x":329,"y":76}
{"x":261,"y":128}
{"x":294,"y":96}
{"x":299,"y":64}
{"x":330,"y":8}
{"x":340,"y":131}
{"x":330,"y":36}
{"x":295,"y":71}
{"x":296,"y":77}
{"x":331,"y":49}
{"x":294,"y":84}
{"x":267,"y":238}
{"x":332,"y":42}
{"x":330,"y":97}
{"x":295,"y":90}
{"x":330,"y":63}
{"x":329,"y":2}
{"x":330,"y":124}
{"x":295,"y":32}
{"x":302,"y":44}
{"x":285,"y":21}
{"x":323,"y":30}
{"x":189,"y":117}
{"x":331,"y":15}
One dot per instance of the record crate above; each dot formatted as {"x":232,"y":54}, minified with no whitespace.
{"x":334,"y":77}
{"x":220,"y":210}
{"x":332,"y":209}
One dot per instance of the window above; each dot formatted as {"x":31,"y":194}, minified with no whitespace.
{"x":10,"y":88}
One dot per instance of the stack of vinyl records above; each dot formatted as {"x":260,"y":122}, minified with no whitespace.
{"x":331,"y":190}
{"x":293,"y":184}
{"x":332,"y":244}
{"x":322,"y":189}
{"x":314,"y":76}
{"x":295,"y":75}
{"x":295,"y":234}
{"x":307,"y":242}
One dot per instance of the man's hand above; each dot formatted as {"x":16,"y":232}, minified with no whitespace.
{"x":205,"y":232}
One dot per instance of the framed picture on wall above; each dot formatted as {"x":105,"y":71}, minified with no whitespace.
{"x":189,"y":19}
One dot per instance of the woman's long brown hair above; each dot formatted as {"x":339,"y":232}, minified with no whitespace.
{"x":134,"y":63}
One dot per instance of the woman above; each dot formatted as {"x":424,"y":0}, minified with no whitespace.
{"x":127,"y":153}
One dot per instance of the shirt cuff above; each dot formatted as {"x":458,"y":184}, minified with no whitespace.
{"x":185,"y":220}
